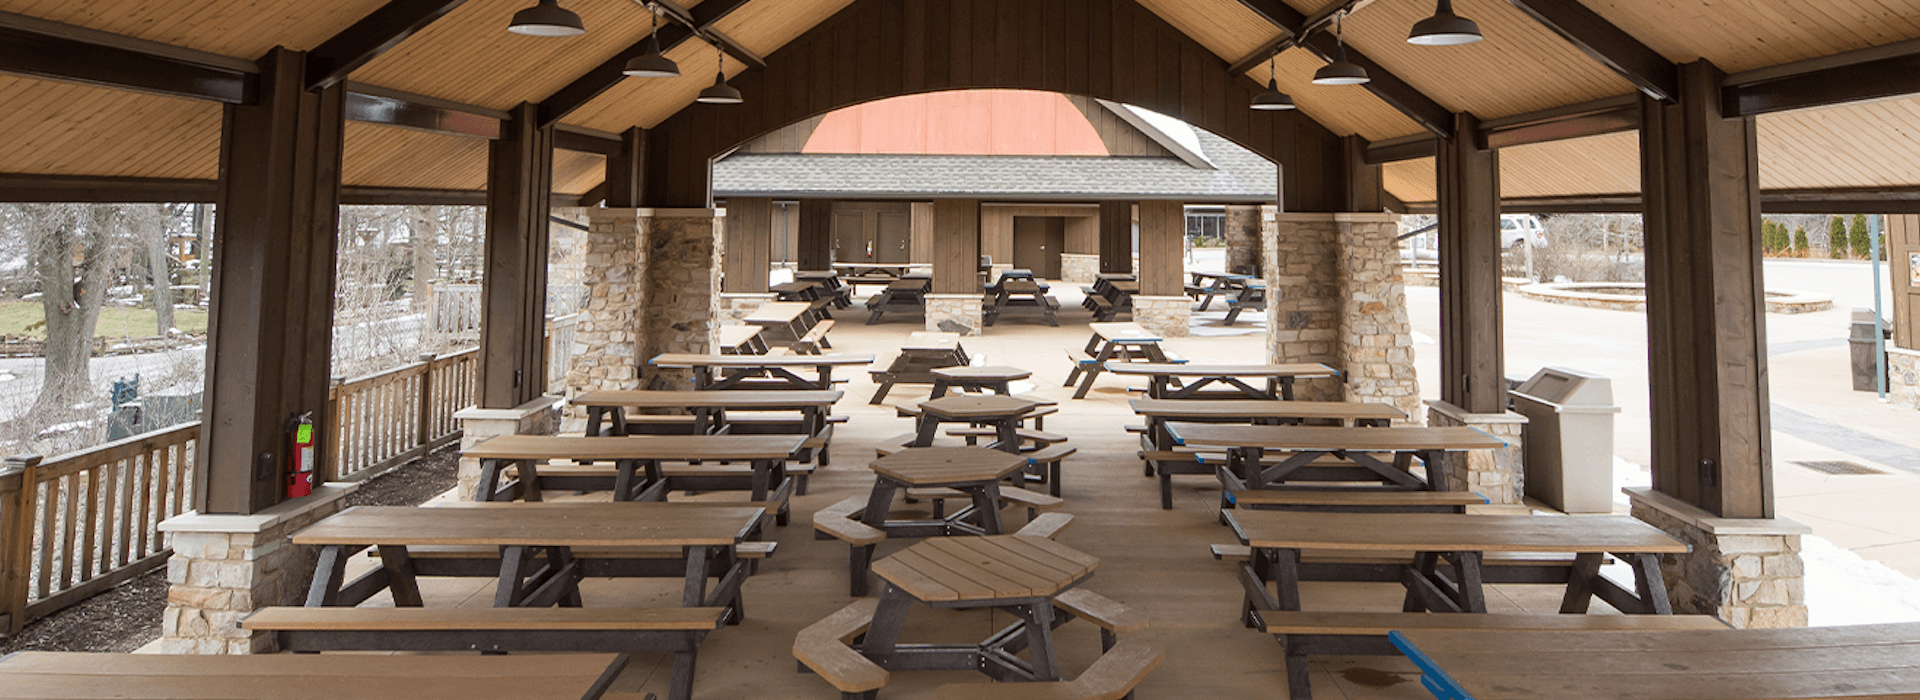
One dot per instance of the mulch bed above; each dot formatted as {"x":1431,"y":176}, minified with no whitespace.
{"x":127,"y":617}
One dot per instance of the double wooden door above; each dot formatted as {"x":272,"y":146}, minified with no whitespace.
{"x":877,"y":232}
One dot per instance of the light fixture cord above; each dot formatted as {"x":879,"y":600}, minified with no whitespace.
{"x":1339,"y":39}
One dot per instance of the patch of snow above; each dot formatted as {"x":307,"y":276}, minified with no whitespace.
{"x":64,"y":427}
{"x":30,"y":297}
{"x":8,"y":376}
{"x":1844,"y":588}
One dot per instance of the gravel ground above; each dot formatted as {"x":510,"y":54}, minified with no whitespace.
{"x":127,"y":616}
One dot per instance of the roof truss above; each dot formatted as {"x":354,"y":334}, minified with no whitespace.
{"x":44,"y":49}
{"x":1385,"y":85}
{"x":1868,"y":74}
{"x":1610,"y":45}
{"x":336,"y":58}
{"x":604,"y":76}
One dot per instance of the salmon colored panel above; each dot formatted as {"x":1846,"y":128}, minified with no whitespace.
{"x":970,"y":122}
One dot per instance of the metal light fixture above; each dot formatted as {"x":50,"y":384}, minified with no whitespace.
{"x":546,"y":19}
{"x":1340,"y":72}
{"x":1444,"y":28}
{"x":653,"y":64}
{"x":1273,"y":100}
{"x":720,"y":93}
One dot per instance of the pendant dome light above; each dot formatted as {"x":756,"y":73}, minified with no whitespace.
{"x":546,"y":19}
{"x":1444,"y":28}
{"x":1340,"y":72}
{"x":1273,"y":100}
{"x":720,"y":93}
{"x":652,"y":64}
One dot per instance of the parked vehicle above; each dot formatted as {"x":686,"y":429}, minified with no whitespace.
{"x":1515,"y":228}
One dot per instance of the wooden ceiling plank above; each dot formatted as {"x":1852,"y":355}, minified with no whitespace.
{"x":1613,"y":47}
{"x":586,"y":87}
{"x":1384,"y":84}
{"x":336,"y":58}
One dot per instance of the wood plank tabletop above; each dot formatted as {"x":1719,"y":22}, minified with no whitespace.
{"x":675,"y":447}
{"x":926,"y":466}
{"x":735,"y":336}
{"x":985,"y":372}
{"x":1862,"y":661}
{"x":652,"y":399}
{"x":685,"y":360}
{"x":1445,"y":532}
{"x":985,"y":568}
{"x":1296,"y":438}
{"x":1123,"y":332}
{"x":74,"y":676}
{"x":1304,"y":369}
{"x":777,"y":312}
{"x":791,"y":287}
{"x":931,"y":340}
{"x":578,"y":525}
{"x":963,"y":406}
{"x":1252,"y":408}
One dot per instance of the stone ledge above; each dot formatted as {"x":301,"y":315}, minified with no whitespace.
{"x":1462,"y":415}
{"x":1710,"y":523}
{"x":520,"y":412}
{"x":192,"y":521}
{"x":678,"y":213}
{"x":1892,"y":350}
{"x":1339,"y":217}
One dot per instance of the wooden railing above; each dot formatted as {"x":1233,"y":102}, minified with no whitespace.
{"x":80,"y":523}
{"x":560,"y":332}
{"x":383,"y":420}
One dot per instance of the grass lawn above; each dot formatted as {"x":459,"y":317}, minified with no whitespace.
{"x":115,"y":321}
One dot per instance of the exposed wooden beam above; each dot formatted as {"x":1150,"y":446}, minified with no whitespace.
{"x":1868,"y":74}
{"x":1273,"y":47}
{"x":43,"y":49}
{"x":376,"y":105}
{"x":1612,"y":46}
{"x":1843,"y":200}
{"x":26,"y":187}
{"x":705,"y":30}
{"x":1607,"y":116}
{"x":1412,"y":147}
{"x":567,"y":137}
{"x":1385,"y":85}
{"x":334,"y":59}
{"x":604,"y":76}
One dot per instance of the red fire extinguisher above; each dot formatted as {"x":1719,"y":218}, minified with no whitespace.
{"x":300,"y":467}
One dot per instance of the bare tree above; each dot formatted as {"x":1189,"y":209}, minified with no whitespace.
{"x":72,"y":251}
{"x":154,"y":225}
{"x":423,"y":233}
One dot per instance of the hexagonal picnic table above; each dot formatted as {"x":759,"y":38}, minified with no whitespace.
{"x":1002,"y":412}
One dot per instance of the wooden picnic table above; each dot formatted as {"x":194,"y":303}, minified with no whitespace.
{"x":43,"y":675}
{"x":1165,"y":459}
{"x":798,"y":291}
{"x":1122,"y":342}
{"x":788,"y":318}
{"x":742,"y":340}
{"x":707,"y":537}
{"x":1164,"y":377}
{"x":1207,"y":285}
{"x":1012,"y":292}
{"x":878,"y":269}
{"x":923,"y":352}
{"x":1246,"y":444}
{"x":608,"y":408}
{"x":1002,"y":412}
{"x":829,"y":281}
{"x":1019,"y":575}
{"x":976,"y":471}
{"x":736,"y":370}
{"x":1277,"y":537}
{"x":999,"y":378}
{"x":767,"y":454}
{"x":905,"y":293}
{"x":1855,"y":661}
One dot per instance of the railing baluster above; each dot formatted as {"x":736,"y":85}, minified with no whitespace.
{"x":90,"y":527}
{"x":118,"y":494}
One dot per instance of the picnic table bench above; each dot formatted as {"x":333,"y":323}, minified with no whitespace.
{"x":1190,"y":380}
{"x":76,"y":676}
{"x":804,"y":412}
{"x":1019,"y":292}
{"x":829,"y":281}
{"x":909,"y":293}
{"x":1860,"y":661}
{"x":1207,"y":285}
{"x":1164,"y":456}
{"x":783,"y":321}
{"x":741,"y":340}
{"x":1355,"y":450}
{"x":765,"y":476}
{"x":714,"y":372}
{"x":1252,"y":296}
{"x":1114,"y":342}
{"x":1109,"y":296}
{"x":923,"y":352}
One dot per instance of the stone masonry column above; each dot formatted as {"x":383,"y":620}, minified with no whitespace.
{"x":1376,"y":337}
{"x":1747,"y":572}
{"x":683,"y":289}
{"x":1244,"y":237}
{"x":609,"y":339}
{"x":953,"y":304}
{"x":1500,"y":475}
{"x":1903,"y":377}
{"x":1303,"y":303}
{"x":224,"y":567}
{"x":1162,"y":306}
{"x":540,"y":416}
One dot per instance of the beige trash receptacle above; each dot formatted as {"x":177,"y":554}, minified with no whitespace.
{"x":1569,"y":438}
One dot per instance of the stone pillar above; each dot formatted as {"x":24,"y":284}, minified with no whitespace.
{"x":1334,"y":296}
{"x":608,"y":342}
{"x":1747,"y":572}
{"x":1162,"y":306}
{"x":227,"y":566}
{"x":954,"y":304}
{"x":1303,"y":304}
{"x":954,"y":313}
{"x":1903,"y":377}
{"x":1079,"y":267}
{"x":683,"y":288}
{"x":1500,"y":475}
{"x":540,"y":416}
{"x":1243,"y":233}
{"x":738,"y":305}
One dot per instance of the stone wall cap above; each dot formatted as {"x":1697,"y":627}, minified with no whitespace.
{"x":194,"y":521}
{"x":952,"y":296}
{"x":1462,"y":415}
{"x":748,"y":295}
{"x":1342,"y":217}
{"x":520,"y":412}
{"x":1169,"y":298}
{"x":1693,"y":515}
{"x":680,"y":213}
{"x":1893,"y":350}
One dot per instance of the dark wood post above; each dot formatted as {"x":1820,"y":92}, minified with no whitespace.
{"x":956,"y":246}
{"x":513,"y":293}
{"x":271,"y":321}
{"x":749,"y":235}
{"x":1116,"y":238}
{"x":16,"y":539}
{"x":815,"y":236}
{"x":1472,"y":365}
{"x":1163,"y":232}
{"x":1902,"y":245}
{"x":626,"y":171}
{"x":1706,"y":325}
{"x":1364,"y":184}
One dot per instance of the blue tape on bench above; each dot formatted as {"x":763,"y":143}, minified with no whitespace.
{"x":1436,"y":680}
{"x":1232,"y":499}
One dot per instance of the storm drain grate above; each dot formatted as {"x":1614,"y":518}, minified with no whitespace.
{"x":1839,"y":467}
